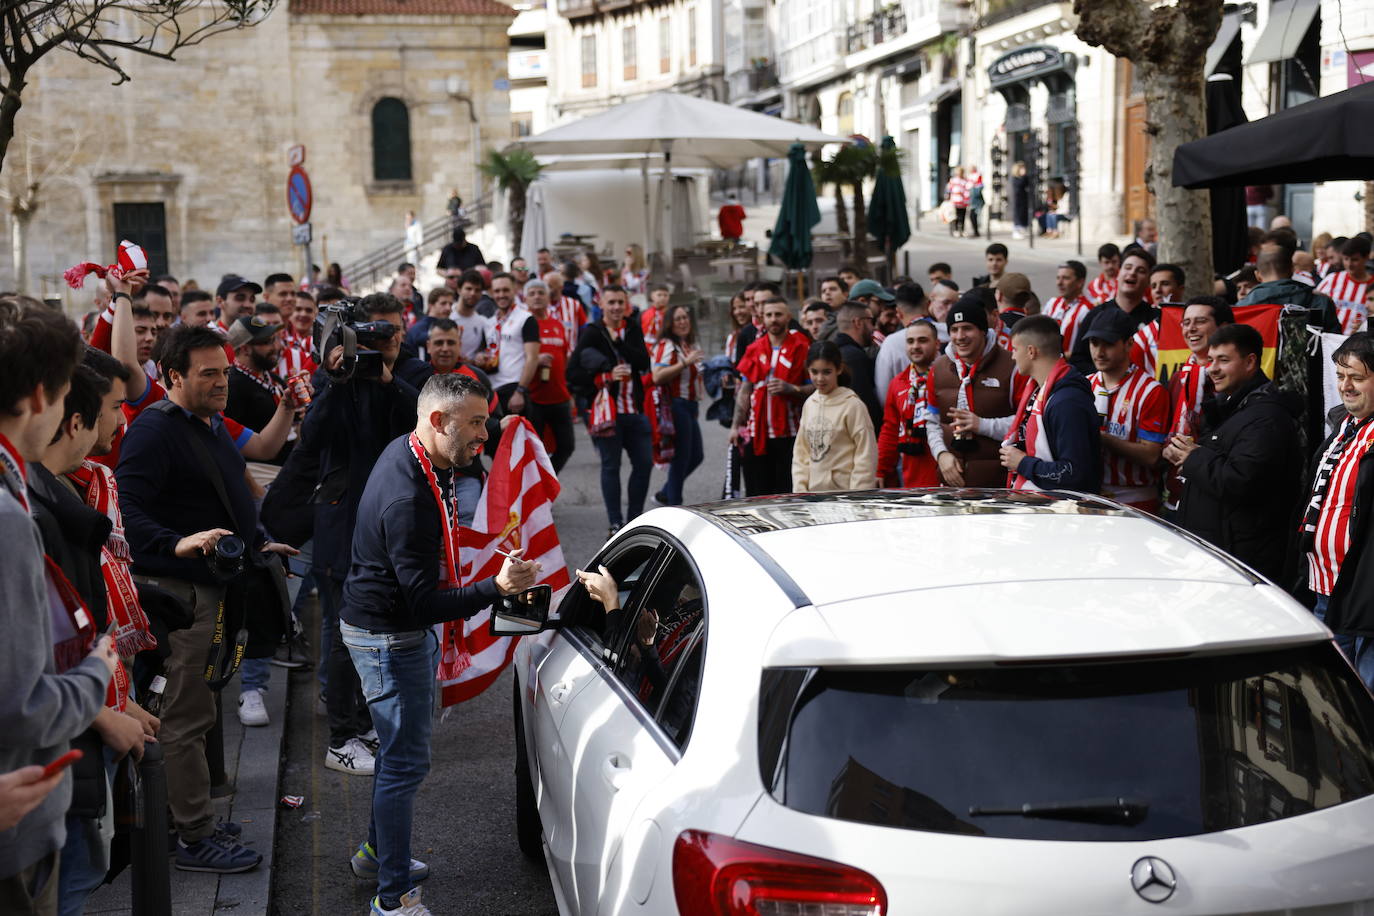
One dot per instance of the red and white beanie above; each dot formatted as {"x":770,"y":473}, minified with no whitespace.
{"x":130,"y":257}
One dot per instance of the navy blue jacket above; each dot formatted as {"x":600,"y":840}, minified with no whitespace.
{"x":398,"y":550}
{"x":348,"y":426}
{"x":1074,"y":432}
{"x":165,"y":493}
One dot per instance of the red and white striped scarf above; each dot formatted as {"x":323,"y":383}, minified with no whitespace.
{"x":96,"y":483}
{"x":1037,"y":444}
{"x":453,"y":656}
{"x":14,"y":472}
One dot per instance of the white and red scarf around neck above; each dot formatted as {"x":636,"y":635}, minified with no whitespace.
{"x":96,"y":483}
{"x":1029,"y":412}
{"x":964,"y":398}
{"x":454,"y":657}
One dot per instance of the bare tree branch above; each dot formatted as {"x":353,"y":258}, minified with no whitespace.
{"x":91,"y":30}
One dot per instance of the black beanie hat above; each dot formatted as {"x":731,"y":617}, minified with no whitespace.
{"x":969,"y":310}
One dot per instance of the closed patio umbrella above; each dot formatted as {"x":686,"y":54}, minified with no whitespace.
{"x":887,"y":218}
{"x":797,"y":216}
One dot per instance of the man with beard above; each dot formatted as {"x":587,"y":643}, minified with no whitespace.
{"x":1132,"y":283}
{"x":403,"y":581}
{"x":768,"y":405}
{"x":256,"y":392}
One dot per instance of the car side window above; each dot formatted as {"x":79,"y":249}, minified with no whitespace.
{"x":667,"y":626}
{"x":680,"y":706}
{"x":628,"y":565}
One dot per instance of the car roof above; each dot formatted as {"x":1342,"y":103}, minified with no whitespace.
{"x":991,"y":574}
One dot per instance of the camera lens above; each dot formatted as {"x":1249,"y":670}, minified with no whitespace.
{"x":230,"y":547}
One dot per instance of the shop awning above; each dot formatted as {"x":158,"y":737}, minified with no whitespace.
{"x":1288,"y":22}
{"x":1230,"y":28}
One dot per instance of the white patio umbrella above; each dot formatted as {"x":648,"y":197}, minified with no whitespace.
{"x":535,"y":234}
{"x":673,"y":124}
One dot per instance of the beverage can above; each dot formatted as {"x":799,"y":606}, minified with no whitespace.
{"x":300,"y":389}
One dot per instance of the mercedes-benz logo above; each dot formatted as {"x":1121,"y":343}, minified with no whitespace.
{"x":1153,"y":879}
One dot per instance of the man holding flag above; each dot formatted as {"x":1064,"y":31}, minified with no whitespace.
{"x":404,"y":579}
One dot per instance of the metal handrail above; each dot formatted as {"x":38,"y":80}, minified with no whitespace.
{"x":364,"y":272}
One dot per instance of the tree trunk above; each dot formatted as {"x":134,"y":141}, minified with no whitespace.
{"x":1177,"y":114}
{"x":10,"y":103}
{"x":842,"y":220}
{"x":860,"y":227}
{"x":1168,"y":44}
{"x":517,"y":218}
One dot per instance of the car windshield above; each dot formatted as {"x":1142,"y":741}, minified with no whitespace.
{"x":1099,"y":752}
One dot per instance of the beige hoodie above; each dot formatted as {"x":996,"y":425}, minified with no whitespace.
{"x":836,"y":448}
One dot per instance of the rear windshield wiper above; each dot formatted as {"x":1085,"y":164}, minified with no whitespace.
{"x":1125,"y":811}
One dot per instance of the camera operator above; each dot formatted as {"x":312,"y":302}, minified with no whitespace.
{"x":179,"y":476}
{"x":348,"y":425}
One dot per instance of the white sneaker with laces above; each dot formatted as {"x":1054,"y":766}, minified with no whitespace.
{"x":353,"y":758}
{"x":252,"y":711}
{"x":371,"y":740}
{"x":410,"y":906}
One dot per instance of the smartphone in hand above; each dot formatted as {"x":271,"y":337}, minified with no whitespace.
{"x":60,"y":764}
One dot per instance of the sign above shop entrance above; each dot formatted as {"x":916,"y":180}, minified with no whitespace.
{"x":1028,"y":63}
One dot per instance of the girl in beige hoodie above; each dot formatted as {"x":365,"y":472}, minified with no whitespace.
{"x":836,"y":448}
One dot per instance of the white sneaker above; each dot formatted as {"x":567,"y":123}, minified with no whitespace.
{"x":252,"y":711}
{"x":410,"y":906}
{"x":353,"y":758}
{"x":371,"y":741}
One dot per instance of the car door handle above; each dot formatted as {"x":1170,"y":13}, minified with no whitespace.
{"x":615,"y":769}
{"x":559,"y":692}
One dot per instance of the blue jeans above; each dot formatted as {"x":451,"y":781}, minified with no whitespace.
{"x":397,"y":675}
{"x":79,"y":870}
{"x":631,"y":435}
{"x":687,"y":449}
{"x":1359,"y":649}
{"x":256,"y":674}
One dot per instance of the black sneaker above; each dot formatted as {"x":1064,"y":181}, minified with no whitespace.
{"x":294,"y":655}
{"x":218,"y":855}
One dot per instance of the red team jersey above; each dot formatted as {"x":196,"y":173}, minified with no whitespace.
{"x":774,"y":416}
{"x":553,"y":340}
{"x":1101,"y":289}
{"x":1137,"y":410}
{"x":1331,"y":540}
{"x":1348,"y":294}
{"x":688,"y":382}
{"x":1145,"y":348}
{"x":904,"y":432}
{"x":651,"y":323}
{"x":571,"y":312}
{"x":1070,"y":317}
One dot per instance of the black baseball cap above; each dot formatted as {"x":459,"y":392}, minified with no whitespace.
{"x":231,"y":282}
{"x":1112,"y":326}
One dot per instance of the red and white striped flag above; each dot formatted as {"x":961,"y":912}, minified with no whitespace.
{"x":516,"y":510}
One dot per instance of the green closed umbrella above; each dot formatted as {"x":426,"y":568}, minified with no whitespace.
{"x":887,"y":218}
{"x":792,"y":232}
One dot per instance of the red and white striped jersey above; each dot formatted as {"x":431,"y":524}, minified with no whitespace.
{"x":1070,"y":316}
{"x":570,"y":311}
{"x":688,"y":381}
{"x":651,"y":323}
{"x":1145,"y":348}
{"x":1351,"y":319}
{"x":1136,"y":410}
{"x":1188,"y":388}
{"x":295,"y":362}
{"x":1331,"y":540}
{"x":1346,"y":291}
{"x":1101,"y":289}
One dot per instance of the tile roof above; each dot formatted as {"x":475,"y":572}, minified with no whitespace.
{"x":402,"y":7}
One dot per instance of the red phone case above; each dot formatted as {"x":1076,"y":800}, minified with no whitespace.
{"x":65,"y":760}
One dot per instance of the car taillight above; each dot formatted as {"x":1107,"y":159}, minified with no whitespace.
{"x":715,"y":875}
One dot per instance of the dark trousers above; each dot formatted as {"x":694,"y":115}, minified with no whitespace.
{"x":343,"y":694}
{"x":633,"y":437}
{"x":958,"y":225}
{"x":770,"y":473}
{"x":558,"y":417}
{"x":973,"y":219}
{"x":687,"y":449}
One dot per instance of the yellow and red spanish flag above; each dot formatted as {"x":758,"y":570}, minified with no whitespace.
{"x":1173,"y":349}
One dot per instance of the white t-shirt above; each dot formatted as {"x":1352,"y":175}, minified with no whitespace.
{"x":512,"y":333}
{"x":474,"y":333}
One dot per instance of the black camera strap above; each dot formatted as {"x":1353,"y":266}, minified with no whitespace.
{"x":222,"y":661}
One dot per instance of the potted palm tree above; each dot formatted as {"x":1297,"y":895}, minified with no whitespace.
{"x":513,"y":172}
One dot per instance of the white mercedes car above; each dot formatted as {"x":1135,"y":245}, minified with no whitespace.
{"x":940,"y":702}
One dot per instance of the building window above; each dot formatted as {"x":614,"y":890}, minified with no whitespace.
{"x":845,"y":111}
{"x":588,"y":61}
{"x":691,"y":36}
{"x":521,"y":124}
{"x":390,"y":141}
{"x":148,"y":224}
{"x":665,"y":45}
{"x":628,"y":53}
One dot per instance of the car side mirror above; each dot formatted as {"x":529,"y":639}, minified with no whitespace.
{"x":522,"y":613}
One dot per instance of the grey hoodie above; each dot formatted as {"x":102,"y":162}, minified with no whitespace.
{"x":40,"y":710}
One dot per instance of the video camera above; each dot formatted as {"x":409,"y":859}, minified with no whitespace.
{"x":345,"y":323}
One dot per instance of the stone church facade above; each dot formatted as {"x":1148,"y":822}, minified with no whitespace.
{"x":190,"y":157}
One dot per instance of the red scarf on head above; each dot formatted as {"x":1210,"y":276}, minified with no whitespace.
{"x":1030,"y":415}
{"x":96,"y":483}
{"x":454,"y":657}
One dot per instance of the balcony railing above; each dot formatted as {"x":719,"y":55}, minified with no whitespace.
{"x":876,"y":29}
{"x":576,"y":9}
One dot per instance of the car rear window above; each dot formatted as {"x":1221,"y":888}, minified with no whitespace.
{"x":1189,"y":746}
